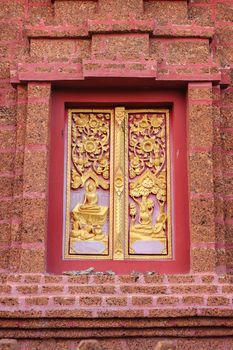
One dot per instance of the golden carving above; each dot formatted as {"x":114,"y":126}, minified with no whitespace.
{"x":90,"y":158}
{"x":146,"y":143}
{"x":119,"y":182}
{"x":90,"y":147}
{"x":147,"y":157}
{"x":119,"y":201}
{"x":120,"y":115}
{"x":125,"y":154}
{"x":146,"y":185}
{"x":89,"y":217}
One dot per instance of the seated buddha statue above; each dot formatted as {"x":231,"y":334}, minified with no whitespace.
{"x":90,"y":199}
{"x":146,"y":207}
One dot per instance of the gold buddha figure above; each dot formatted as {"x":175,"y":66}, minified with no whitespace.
{"x":90,"y":199}
{"x":145,"y":229}
{"x":146,"y":206}
{"x":89,"y":217}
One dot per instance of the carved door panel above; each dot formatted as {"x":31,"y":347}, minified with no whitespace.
{"x":117,"y":185}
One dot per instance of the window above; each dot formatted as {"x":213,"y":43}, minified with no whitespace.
{"x":118,"y":188}
{"x":117,"y":184}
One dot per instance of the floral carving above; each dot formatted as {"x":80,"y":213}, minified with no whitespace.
{"x":148,"y":174}
{"x":147,"y":143}
{"x":90,"y":146}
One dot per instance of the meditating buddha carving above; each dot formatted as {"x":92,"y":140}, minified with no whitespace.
{"x":90,"y":199}
{"x":89,"y":217}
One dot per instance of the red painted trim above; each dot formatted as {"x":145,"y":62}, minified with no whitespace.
{"x":133,"y":99}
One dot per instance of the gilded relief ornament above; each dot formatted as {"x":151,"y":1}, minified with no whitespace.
{"x":146,"y":143}
{"x":89,"y":217}
{"x":120,"y":115}
{"x":90,"y":146}
{"x":148,"y":186}
{"x":90,"y":170}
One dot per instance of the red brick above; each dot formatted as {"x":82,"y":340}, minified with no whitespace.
{"x":120,"y":46}
{"x":200,"y":125}
{"x":64,"y":300}
{"x":188,"y":52}
{"x":154,"y":279}
{"x":174,"y":312}
{"x":193,"y":299}
{"x":32,"y":278}
{"x":78,"y":279}
{"x":166,"y":11}
{"x":32,"y":260}
{"x":121,"y":8}
{"x":92,"y":289}
{"x":92,"y":300}
{"x":116,"y":301}
{"x":4,"y":258}
{"x":37,"y":126}
{"x":52,"y":279}
{"x":197,"y":93}
{"x":77,"y":313}
{"x":41,"y":14}
{"x":121,"y":313}
{"x":218,"y":301}
{"x":228,"y":289}
{"x":5,"y":232}
{"x":193,"y":289}
{"x":61,"y":49}
{"x":7,"y":139}
{"x":202,"y":211}
{"x":35,"y":178}
{"x":37,"y":301}
{"x":207,"y":279}
{"x":147,"y":289}
{"x":103,"y":279}
{"x":47,"y":289}
{"x":141,"y":300}
{"x":203,"y":260}
{"x":5,"y":289}
{"x":225,"y":12}
{"x":27,"y":289}
{"x":72,"y":12}
{"x":168,"y":300}
{"x":200,"y":15}
{"x":181,"y":279}
{"x":201,"y":172}
{"x":8,"y":301}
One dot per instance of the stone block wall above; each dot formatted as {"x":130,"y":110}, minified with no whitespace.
{"x":46,"y":45}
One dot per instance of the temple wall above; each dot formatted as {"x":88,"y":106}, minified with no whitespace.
{"x":46,"y":45}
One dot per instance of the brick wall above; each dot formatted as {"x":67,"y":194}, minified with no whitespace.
{"x":182,"y":44}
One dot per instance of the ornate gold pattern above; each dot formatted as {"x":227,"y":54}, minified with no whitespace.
{"x":148,"y":171}
{"x":124,"y":154}
{"x":119,"y":205}
{"x":88,"y":167}
{"x":146,"y":143}
{"x":90,"y":146}
{"x":88,"y":218}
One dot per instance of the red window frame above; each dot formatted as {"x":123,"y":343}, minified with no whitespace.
{"x":173,"y":99}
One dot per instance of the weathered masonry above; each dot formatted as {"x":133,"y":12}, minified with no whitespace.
{"x":116,"y":140}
